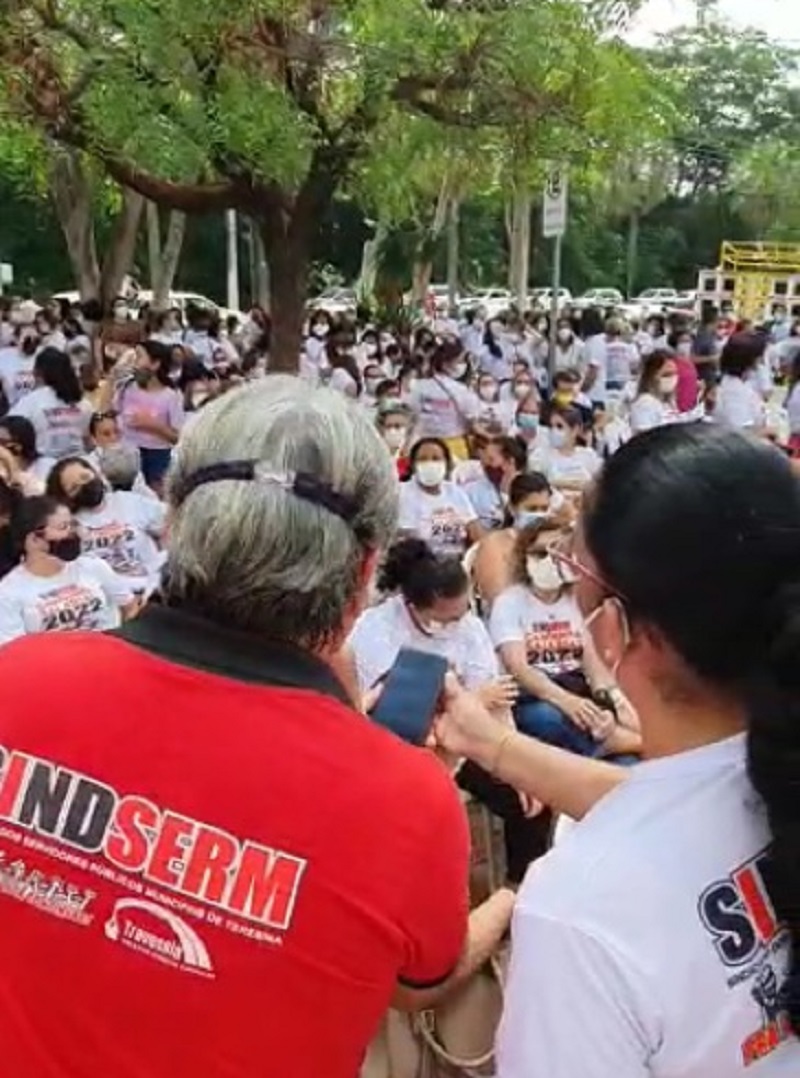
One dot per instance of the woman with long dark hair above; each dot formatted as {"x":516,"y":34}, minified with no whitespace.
{"x":56,"y":409}
{"x":151,"y":410}
{"x":663,"y":936}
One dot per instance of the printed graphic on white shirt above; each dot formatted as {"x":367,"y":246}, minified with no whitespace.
{"x":116,"y":544}
{"x":738,"y":914}
{"x":69,"y":607}
{"x":555,"y":647}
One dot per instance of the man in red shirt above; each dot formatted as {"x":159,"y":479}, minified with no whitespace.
{"x":210,"y":863}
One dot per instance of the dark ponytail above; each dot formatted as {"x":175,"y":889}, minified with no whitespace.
{"x":696,"y":529}
{"x":54,"y":369}
{"x":774,"y":767}
{"x":420,"y":575}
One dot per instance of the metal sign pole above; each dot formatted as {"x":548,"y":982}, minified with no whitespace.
{"x":554,"y":308}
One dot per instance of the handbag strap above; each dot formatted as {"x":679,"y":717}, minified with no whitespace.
{"x":425,"y":1027}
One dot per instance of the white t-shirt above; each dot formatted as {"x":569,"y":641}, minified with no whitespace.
{"x":647,"y":411}
{"x":60,"y":428}
{"x":488,"y":502}
{"x":551,"y":632}
{"x":580,"y":466}
{"x":644,"y":944}
{"x":442,"y":407}
{"x":497,"y":413}
{"x":121,"y":533}
{"x":595,"y":353}
{"x":621,"y":359}
{"x":381,"y":631}
{"x":343,"y":381}
{"x":440,"y":519}
{"x":739,"y":404}
{"x":85,"y":595}
{"x":16,"y":374}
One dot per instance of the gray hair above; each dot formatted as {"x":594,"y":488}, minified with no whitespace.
{"x":119,"y":464}
{"x":250,"y":553}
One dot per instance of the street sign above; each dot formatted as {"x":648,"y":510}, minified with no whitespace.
{"x":554,"y":213}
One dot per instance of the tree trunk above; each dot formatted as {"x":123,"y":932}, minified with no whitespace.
{"x":453,"y":238}
{"x":521,"y":245}
{"x":632,"y":263}
{"x":72,"y":197}
{"x":289,"y":262}
{"x":513,"y":250}
{"x":153,"y":220}
{"x":121,"y":247}
{"x":168,"y":261}
{"x":370,"y":254}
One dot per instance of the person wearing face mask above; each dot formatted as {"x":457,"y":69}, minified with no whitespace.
{"x":655,"y":402}
{"x":538,"y":630}
{"x":570,"y":467}
{"x":682,"y":344}
{"x":472,"y":333}
{"x":18,"y":436}
{"x":569,"y":348}
{"x":55,"y":588}
{"x":17,"y":359}
{"x":122,"y":528}
{"x":433,"y":508}
{"x":104,"y":434}
{"x":369,"y":350}
{"x":119,"y":332}
{"x":151,"y":410}
{"x":426,"y":608}
{"x":493,"y":410}
{"x":441,"y":404}
{"x":373,"y":378}
{"x":496,"y":354}
{"x":502,"y":459}
{"x":393,"y":422}
{"x":530,"y":501}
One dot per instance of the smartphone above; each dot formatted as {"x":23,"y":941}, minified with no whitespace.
{"x":411,"y":691}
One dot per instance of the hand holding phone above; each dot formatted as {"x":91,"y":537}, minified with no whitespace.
{"x":408,"y":703}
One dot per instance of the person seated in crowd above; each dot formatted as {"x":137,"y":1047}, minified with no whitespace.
{"x":433,"y":508}
{"x":441,"y":404}
{"x":738,"y":401}
{"x":104,"y":433}
{"x":18,"y":436}
{"x":655,"y":403}
{"x":427,"y":609}
{"x":503,"y":460}
{"x":530,"y":500}
{"x":55,"y":588}
{"x":569,"y":465}
{"x":569,"y":698}
{"x":393,"y":421}
{"x":122,"y":528}
{"x":56,"y":407}
{"x":494,"y":410}
{"x":328,"y":858}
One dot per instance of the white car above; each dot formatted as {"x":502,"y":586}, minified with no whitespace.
{"x":183,"y":300}
{"x":495,"y":301}
{"x":600,"y":297}
{"x":543,"y":297}
{"x":335,"y":301}
{"x":652,"y":301}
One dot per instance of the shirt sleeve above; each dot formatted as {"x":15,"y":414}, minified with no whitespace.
{"x":12,"y":622}
{"x":481,"y":665}
{"x":468,"y":402}
{"x":117,"y":589}
{"x":436,"y":913}
{"x":505,"y":624}
{"x":645,"y":414}
{"x":572,"y":1008}
{"x":175,"y":413}
{"x":24,"y":407}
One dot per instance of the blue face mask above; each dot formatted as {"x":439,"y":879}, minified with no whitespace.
{"x":527,"y":421}
{"x":526,"y":517}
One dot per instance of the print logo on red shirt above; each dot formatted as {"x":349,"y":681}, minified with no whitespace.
{"x":739,"y":915}
{"x":186,"y":856}
{"x":159,"y":934}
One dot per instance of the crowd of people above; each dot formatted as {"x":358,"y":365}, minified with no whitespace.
{"x":601,"y":541}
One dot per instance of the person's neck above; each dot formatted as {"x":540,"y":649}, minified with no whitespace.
{"x":433,"y":491}
{"x":672,"y":727}
{"x":547,"y":597}
{"x":43,"y":565}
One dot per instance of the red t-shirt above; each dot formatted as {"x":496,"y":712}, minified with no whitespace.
{"x":205,"y":874}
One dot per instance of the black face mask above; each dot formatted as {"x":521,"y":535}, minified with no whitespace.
{"x":66,"y":549}
{"x":142,"y":378}
{"x":89,"y":496}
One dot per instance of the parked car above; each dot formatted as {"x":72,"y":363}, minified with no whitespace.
{"x":652,"y":301}
{"x":495,"y":301}
{"x":335,"y":301}
{"x":184,"y":300}
{"x":599,"y":297}
{"x":543,"y":297}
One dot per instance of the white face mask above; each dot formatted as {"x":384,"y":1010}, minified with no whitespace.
{"x":541,"y":327}
{"x":120,"y":314}
{"x":496,"y":329}
{"x":321,"y":329}
{"x":458,"y":370}
{"x":684,"y":348}
{"x":667,"y":384}
{"x":487,"y":392}
{"x":394,"y":437}
{"x":558,"y":437}
{"x":564,"y":336}
{"x":371,"y":348}
{"x":543,"y":573}
{"x":430,"y":473}
{"x":521,"y":390}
